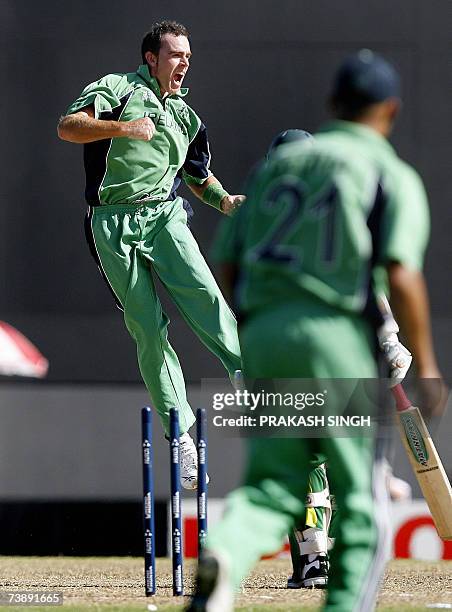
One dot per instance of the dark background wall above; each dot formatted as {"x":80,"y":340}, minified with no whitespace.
{"x":258,"y":67}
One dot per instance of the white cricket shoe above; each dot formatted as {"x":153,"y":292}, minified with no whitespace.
{"x":188,"y":462}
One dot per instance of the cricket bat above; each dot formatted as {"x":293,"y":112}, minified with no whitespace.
{"x":426,"y":463}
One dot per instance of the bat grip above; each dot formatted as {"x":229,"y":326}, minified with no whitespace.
{"x":402,"y":401}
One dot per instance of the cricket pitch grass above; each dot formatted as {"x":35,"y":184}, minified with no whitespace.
{"x":114,"y":584}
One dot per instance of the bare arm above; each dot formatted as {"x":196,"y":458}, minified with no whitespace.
{"x":409,"y":299}
{"x":228,"y":203}
{"x":198,"y":190}
{"x":83,"y":127}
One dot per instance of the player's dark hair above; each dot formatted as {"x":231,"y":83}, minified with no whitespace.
{"x":153,"y":39}
{"x":349,"y":109}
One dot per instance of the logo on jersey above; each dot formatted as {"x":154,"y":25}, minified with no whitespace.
{"x":183,"y":113}
{"x":147,"y":95}
{"x":164,"y":119}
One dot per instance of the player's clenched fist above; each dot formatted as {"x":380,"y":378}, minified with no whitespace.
{"x":140,"y":129}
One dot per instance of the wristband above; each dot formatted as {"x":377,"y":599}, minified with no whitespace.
{"x":213,"y":194}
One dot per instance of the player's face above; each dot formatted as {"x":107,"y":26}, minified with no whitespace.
{"x":170,"y":66}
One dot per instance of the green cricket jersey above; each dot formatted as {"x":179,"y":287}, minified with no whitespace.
{"x":320,"y":218}
{"x":124,"y":170}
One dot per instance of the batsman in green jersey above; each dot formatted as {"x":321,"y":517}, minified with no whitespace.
{"x":319,"y":220}
{"x":140,"y":140}
{"x":311,"y":540}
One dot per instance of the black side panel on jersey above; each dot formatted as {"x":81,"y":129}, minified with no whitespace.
{"x":176,"y":184}
{"x":375,"y":225}
{"x":95,"y":156}
{"x":186,"y":204}
{"x":374,"y":222}
{"x":197,"y":161}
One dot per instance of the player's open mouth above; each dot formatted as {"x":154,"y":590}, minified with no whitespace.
{"x":178,"y":78}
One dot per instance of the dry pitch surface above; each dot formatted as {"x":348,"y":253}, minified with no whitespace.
{"x":113,"y":584}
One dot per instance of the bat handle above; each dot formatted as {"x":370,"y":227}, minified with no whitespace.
{"x":402,"y":401}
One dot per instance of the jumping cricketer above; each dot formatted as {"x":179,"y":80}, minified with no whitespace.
{"x":140,"y":139}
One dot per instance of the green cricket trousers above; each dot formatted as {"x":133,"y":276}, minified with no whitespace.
{"x":309,"y":341}
{"x":129,"y":242}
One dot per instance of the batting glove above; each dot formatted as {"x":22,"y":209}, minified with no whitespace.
{"x":396,"y":355}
